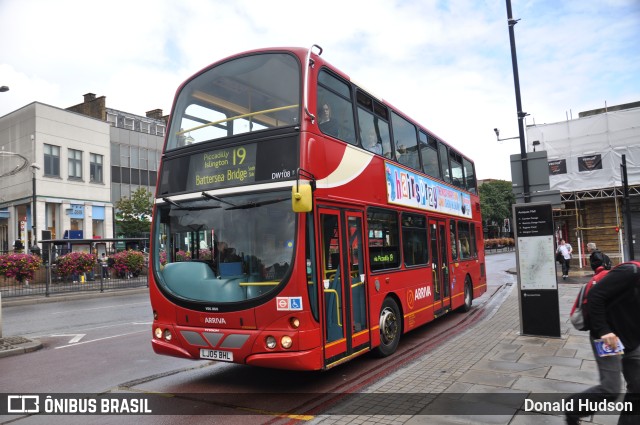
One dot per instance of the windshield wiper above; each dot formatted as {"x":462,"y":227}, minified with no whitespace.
{"x":174,"y":203}
{"x":256,"y":204}
{"x":215,"y":198}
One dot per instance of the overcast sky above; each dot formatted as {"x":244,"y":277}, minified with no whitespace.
{"x":447,"y":64}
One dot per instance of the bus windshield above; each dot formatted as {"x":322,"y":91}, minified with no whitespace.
{"x":242,"y":95}
{"x":223,"y":250}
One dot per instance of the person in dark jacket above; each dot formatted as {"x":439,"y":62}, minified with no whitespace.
{"x":596,"y":257}
{"x":614,"y":315}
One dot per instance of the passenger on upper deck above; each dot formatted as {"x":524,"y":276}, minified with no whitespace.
{"x":327,"y":124}
{"x":372,"y":144}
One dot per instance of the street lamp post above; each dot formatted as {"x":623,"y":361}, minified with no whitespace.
{"x":521,"y":114}
{"x":34,"y":168}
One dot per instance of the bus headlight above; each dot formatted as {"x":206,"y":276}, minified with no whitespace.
{"x":286,"y":341}
{"x":270,"y":342}
{"x":158,"y":333}
{"x":167,"y":334}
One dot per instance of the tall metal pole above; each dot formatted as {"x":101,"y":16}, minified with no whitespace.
{"x":628,"y":231}
{"x":521,"y":115}
{"x":34,"y":215}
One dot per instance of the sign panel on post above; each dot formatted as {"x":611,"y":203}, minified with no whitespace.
{"x":537,"y":281}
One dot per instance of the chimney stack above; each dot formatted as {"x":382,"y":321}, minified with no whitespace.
{"x":155,"y":114}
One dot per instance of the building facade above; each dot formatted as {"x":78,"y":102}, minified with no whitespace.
{"x":585,"y":157}
{"x":61,"y":160}
{"x":135,"y":144}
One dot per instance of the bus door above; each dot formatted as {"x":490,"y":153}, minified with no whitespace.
{"x":345,"y":324}
{"x":439,"y":266}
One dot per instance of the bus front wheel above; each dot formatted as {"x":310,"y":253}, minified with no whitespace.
{"x":390,"y":328}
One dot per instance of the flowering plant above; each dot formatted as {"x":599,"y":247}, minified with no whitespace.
{"x":128,"y":262}
{"x":183,"y":256}
{"x":204,"y":254}
{"x":163,"y":258}
{"x":75,"y":263}
{"x":19,"y":266}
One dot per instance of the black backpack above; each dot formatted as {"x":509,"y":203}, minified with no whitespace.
{"x":606,"y":261}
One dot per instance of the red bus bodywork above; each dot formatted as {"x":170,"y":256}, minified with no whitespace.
{"x":351,"y":187}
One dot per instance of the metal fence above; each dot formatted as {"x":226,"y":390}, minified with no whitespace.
{"x":48,"y":282}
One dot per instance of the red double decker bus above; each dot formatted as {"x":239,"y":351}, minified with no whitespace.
{"x":300,"y":221}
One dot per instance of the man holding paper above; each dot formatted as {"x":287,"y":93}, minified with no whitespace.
{"x":614,"y":315}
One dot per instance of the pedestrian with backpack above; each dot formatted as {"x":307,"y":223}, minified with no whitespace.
{"x":612,"y":314}
{"x":564,"y":250}
{"x":597,"y":258}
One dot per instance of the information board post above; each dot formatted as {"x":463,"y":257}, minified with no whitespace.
{"x":535,"y":259}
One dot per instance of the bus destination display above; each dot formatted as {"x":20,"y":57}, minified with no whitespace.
{"x":226,"y":167}
{"x":240,"y":165}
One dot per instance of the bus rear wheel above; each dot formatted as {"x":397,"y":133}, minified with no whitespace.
{"x":468,"y":294}
{"x":390,"y":328}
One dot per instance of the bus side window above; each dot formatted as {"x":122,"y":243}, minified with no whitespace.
{"x":454,"y":240}
{"x":457,"y":176}
{"x":415,"y":247}
{"x":469,"y":175}
{"x":429,"y":154}
{"x":334,"y":108}
{"x":384,"y":240}
{"x":405,"y":142}
{"x":445,"y":172}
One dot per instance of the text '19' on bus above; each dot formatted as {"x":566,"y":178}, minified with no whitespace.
{"x":300,"y":221}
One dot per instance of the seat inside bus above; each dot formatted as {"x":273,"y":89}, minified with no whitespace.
{"x":196,"y":280}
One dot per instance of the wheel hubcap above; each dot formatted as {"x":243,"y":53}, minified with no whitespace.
{"x":388,"y":325}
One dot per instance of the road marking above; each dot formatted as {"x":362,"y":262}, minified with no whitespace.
{"x":100,"y":308}
{"x":100,"y":339}
{"x":76,"y":337}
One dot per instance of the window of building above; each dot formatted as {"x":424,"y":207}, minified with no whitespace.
{"x":112,"y":119}
{"x":125,"y":156}
{"x":75,"y":164}
{"x":384,"y":241}
{"x":145,"y":127}
{"x":95,"y":168}
{"x":144,"y":165}
{"x":129,"y":123}
{"x":160,"y":130}
{"x":115,"y":154}
{"x":415,"y":247}
{"x":135,"y":156}
{"x":51,"y":160}
{"x":154,"y":159}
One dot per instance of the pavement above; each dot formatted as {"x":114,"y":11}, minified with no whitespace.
{"x":490,"y":360}
{"x":479,"y":370}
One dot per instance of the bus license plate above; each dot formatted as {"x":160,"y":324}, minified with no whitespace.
{"x":223,"y":356}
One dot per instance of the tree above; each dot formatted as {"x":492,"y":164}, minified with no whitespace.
{"x":133,"y":216}
{"x":496,"y":198}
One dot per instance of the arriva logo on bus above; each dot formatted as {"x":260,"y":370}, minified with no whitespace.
{"x":215,"y":320}
{"x":419,"y":294}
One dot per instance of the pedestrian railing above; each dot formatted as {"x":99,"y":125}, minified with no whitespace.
{"x":48,"y":282}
